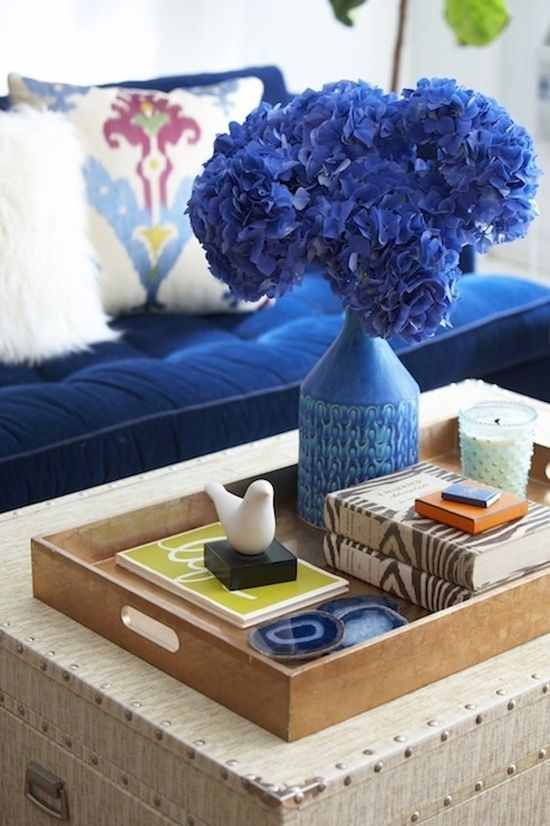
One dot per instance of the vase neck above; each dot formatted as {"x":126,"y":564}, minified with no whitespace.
{"x":353,"y":324}
{"x":353,"y":328}
{"x":356,"y":361}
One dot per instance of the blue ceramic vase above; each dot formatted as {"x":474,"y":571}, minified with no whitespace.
{"x":358,"y":418}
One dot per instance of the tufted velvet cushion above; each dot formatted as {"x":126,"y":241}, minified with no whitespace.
{"x":175,"y":387}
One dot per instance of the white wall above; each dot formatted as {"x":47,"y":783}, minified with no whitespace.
{"x":92,"y":41}
{"x":77,"y":40}
{"x":433,"y":51}
{"x":314,"y":48}
{"x":87,"y":41}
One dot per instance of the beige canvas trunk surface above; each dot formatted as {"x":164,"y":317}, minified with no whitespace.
{"x":90,"y":797}
{"x":485,"y":766}
{"x":131,"y":746}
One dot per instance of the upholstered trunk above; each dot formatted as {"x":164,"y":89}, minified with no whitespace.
{"x":489,"y":767}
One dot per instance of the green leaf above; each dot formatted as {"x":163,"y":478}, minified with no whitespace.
{"x":476,"y":22}
{"x":342,"y":8}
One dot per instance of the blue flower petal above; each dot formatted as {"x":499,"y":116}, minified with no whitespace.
{"x":382,"y":191}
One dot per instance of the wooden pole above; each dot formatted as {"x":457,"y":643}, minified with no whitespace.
{"x":398,"y":48}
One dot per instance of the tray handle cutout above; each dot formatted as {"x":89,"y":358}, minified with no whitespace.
{"x":150,"y":628}
{"x":46,"y":791}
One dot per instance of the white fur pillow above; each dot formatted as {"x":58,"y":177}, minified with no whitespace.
{"x":50,"y":301}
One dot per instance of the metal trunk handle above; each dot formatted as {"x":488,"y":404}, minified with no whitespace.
{"x":46,"y":791}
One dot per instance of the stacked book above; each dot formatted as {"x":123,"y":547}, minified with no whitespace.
{"x":375,"y":534}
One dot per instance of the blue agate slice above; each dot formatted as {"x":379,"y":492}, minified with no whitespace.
{"x":364,"y":617}
{"x":299,"y":637}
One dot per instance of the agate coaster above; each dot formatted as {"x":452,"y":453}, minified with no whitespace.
{"x":300,"y":637}
{"x":364,"y":617}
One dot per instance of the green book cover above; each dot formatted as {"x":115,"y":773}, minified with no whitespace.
{"x":177,"y":564}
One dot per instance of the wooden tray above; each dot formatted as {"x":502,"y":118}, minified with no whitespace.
{"x":74,"y":571}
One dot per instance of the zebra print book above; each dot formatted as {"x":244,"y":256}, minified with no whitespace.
{"x":397,"y":578}
{"x":380,"y":514}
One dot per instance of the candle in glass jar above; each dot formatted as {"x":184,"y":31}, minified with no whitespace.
{"x":496,"y":444}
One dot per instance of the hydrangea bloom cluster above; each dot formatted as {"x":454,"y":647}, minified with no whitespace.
{"x":381,"y":191}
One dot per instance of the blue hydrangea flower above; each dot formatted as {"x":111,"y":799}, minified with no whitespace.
{"x":476,"y":168}
{"x":246,"y":217}
{"x":385,"y":260}
{"x":383,"y":192}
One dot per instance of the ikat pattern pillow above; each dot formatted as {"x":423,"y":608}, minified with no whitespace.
{"x":143,"y":150}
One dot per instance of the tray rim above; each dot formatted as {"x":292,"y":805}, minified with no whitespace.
{"x":292,"y":672}
{"x":37,"y":544}
{"x":434,"y":423}
{"x":296,"y":711}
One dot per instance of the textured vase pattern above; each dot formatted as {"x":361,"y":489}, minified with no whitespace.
{"x":342,"y":445}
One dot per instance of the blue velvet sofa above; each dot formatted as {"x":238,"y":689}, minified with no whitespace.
{"x":174,"y":387}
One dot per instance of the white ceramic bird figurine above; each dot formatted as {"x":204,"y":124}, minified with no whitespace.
{"x":248,"y":523}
